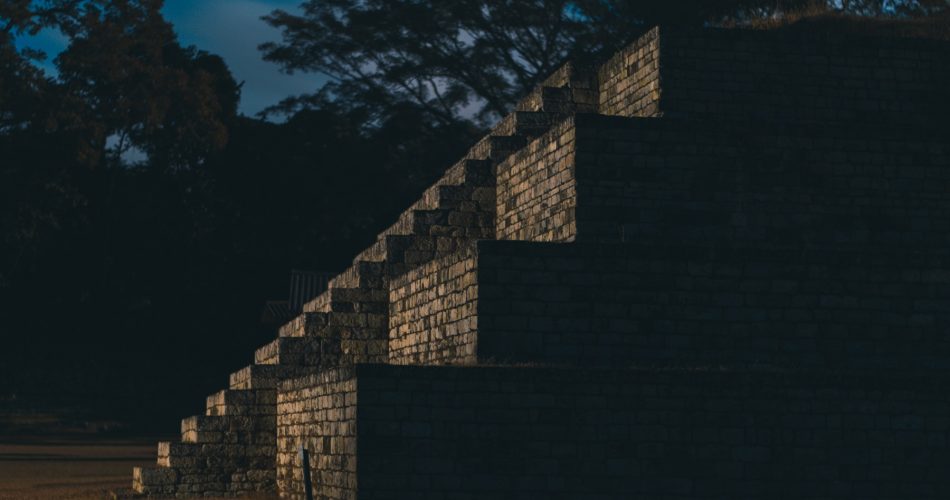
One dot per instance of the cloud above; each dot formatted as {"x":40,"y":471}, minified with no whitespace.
{"x":233,"y":29}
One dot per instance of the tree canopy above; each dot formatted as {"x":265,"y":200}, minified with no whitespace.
{"x":471,"y":60}
{"x":123,"y":82}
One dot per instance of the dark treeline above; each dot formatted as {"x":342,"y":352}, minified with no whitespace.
{"x":144,"y":222}
{"x":152,"y":282}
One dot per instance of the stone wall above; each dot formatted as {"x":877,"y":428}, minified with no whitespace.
{"x":629,"y":82}
{"x":706,"y":183}
{"x":535,"y":432}
{"x":621,"y":304}
{"x":787,"y":74}
{"x":634,"y":305}
{"x":432,"y":312}
{"x":692,"y":299}
{"x":597,"y":178}
{"x":535,"y":189}
{"x":318,"y":412}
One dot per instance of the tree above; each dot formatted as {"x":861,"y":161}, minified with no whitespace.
{"x":475,"y":58}
{"x":452,"y":59}
{"x":110,"y":247}
{"x":126,"y":77}
{"x":124,"y":82}
{"x":21,"y":86}
{"x":439,"y":56}
{"x":33,"y":15}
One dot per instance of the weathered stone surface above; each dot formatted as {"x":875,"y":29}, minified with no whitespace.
{"x":627,"y":304}
{"x":778,"y":76}
{"x":299,"y":351}
{"x":754,"y":244}
{"x":432,"y":312}
{"x":386,"y":431}
{"x":318,"y":413}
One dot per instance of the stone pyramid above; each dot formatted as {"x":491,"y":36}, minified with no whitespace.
{"x":715,"y":266}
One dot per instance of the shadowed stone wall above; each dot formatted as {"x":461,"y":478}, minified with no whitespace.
{"x":624,"y":305}
{"x":787,"y":75}
{"x":737,"y":288}
{"x":708,"y":183}
{"x":496,"y":432}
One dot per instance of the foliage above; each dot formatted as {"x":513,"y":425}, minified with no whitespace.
{"x":21,"y":86}
{"x":125,"y":70}
{"x":124,"y":82}
{"x":89,"y":245}
{"x":472,"y":59}
{"x":438,"y":56}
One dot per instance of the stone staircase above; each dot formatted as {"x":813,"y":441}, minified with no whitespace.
{"x":655,"y":278}
{"x":231,"y":449}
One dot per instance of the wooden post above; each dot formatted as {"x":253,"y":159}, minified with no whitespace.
{"x":307,"y":486}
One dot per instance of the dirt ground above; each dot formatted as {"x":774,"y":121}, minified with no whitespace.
{"x":69,"y":467}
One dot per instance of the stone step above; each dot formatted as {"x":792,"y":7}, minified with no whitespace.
{"x":388,"y":249}
{"x":299,"y":351}
{"x":516,"y":129}
{"x":452,"y":199}
{"x":201,"y":482}
{"x":413,"y":222}
{"x":454,"y":223}
{"x":362,"y":274}
{"x":242,"y":402}
{"x":402,"y":253}
{"x":422,"y":220}
{"x":497,"y":148}
{"x":472,"y":172}
{"x":255,"y":377}
{"x":231,"y":429}
{"x":569,"y":89}
{"x":467,"y":172}
{"x":530,"y":124}
{"x":329,"y":326}
{"x":154,"y":480}
{"x":573,"y":75}
{"x":466,"y":176}
{"x":349,"y":300}
{"x":550,"y":99}
{"x":445,"y":196}
{"x":467,"y":198}
{"x":431,"y":247}
{"x":451,"y":196}
{"x":267,"y":376}
{"x":213,"y":457}
{"x":307,"y":324}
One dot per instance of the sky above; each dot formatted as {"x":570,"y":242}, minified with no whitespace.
{"x":232,"y":29}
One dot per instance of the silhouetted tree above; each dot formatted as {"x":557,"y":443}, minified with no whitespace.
{"x":444,"y":57}
{"x":134,"y":83}
{"x":94,"y":261}
{"x":475,"y":58}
